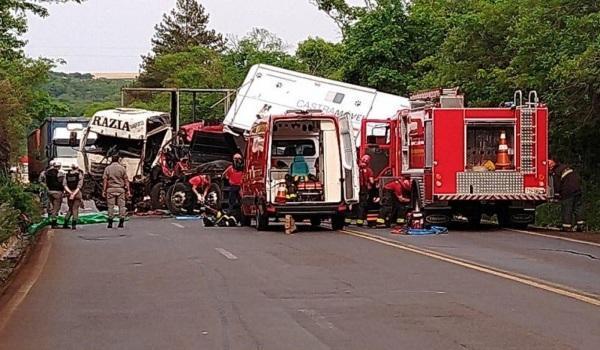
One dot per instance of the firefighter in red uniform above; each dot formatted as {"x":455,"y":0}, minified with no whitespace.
{"x":200,"y":185}
{"x":234,"y":174}
{"x":367,"y":182}
{"x":396,"y":196}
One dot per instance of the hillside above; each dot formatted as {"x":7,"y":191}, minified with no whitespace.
{"x":83,"y":93}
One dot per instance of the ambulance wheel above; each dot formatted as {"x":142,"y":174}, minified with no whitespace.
{"x":262,"y":220}
{"x":315,"y":221}
{"x":158,"y":195}
{"x":337,"y":222}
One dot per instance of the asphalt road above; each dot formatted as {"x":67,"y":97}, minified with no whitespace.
{"x":167,"y":284}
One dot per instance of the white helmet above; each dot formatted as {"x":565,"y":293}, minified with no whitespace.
{"x":52,"y":163}
{"x":57,"y":165}
{"x":74,"y":166}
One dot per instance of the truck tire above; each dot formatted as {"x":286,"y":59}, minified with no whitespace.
{"x":262,"y":220}
{"x":337,"y":222}
{"x":245,"y":220}
{"x":158,"y":195}
{"x":181,"y":199}
{"x":315,"y":222}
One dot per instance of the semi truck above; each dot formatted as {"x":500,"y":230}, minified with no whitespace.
{"x":465,"y":161}
{"x":136,"y":135}
{"x":301,"y":163}
{"x":56,"y":139}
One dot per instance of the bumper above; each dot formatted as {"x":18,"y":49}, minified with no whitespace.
{"x":306,"y":209}
{"x":492,"y":197}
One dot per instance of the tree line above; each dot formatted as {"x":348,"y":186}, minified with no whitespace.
{"x":489,"y":48}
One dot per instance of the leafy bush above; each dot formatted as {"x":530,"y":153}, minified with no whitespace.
{"x":19,"y":207}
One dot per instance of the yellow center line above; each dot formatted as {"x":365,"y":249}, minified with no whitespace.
{"x":516,"y":277}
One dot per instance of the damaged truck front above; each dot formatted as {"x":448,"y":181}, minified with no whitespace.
{"x":136,"y":136}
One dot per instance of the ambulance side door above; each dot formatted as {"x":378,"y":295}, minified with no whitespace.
{"x":349,"y":163}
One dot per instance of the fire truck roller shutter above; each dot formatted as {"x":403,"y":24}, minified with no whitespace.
{"x":332,"y":167}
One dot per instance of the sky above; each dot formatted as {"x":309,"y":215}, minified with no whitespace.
{"x":111,"y":35}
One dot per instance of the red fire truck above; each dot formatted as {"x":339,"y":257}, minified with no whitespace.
{"x":465,"y":161}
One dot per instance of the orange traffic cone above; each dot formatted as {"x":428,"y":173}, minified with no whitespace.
{"x":502,"y":157}
{"x":281,"y":194}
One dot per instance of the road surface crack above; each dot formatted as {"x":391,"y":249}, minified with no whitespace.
{"x":593,"y":257}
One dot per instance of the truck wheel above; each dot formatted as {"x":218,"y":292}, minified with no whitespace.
{"x":158,"y":195}
{"x":245,"y":220}
{"x":474,"y":219}
{"x":337,"y":222}
{"x":262,"y":221}
{"x":315,"y":221}
{"x":181,"y":199}
{"x":168,"y":193}
{"x":214,"y":197}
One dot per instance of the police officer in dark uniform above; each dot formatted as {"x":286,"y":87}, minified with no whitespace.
{"x":73,"y":182}
{"x":53,"y":179}
{"x":567,"y":189}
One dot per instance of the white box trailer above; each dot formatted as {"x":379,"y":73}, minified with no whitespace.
{"x":269,"y":90}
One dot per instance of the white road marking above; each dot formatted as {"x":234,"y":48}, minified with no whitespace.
{"x":226,"y":254}
{"x":152,"y":234}
{"x":555,"y":237}
{"x":177,"y":225}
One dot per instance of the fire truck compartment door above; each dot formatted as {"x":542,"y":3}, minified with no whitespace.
{"x":349,"y":164}
{"x":448,"y":149}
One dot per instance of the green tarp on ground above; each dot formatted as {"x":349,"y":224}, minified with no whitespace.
{"x":85,"y":219}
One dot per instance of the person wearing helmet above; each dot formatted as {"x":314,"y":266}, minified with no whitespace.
{"x":396,"y":196}
{"x":367,"y":183}
{"x":72,"y":183}
{"x":233,"y":174}
{"x":567,"y":189}
{"x":53,"y":179}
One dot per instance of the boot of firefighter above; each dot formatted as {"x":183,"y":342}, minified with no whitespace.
{"x":53,"y":223}
{"x":74,"y":225}
{"x":110,"y":223}
{"x":66,"y":224}
{"x":121,"y":223}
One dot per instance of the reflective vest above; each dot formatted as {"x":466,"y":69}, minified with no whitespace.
{"x":72,"y":178}
{"x":52,"y":181}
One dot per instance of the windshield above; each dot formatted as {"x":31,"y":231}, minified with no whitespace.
{"x":66,"y":152}
{"x":109,"y":146}
{"x":291,"y":148}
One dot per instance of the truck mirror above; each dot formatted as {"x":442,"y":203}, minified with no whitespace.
{"x":73,"y":139}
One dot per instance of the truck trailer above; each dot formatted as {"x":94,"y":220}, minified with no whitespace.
{"x":269,"y":90}
{"x":56,"y":139}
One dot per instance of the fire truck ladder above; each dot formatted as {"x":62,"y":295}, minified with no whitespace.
{"x":528,"y":131}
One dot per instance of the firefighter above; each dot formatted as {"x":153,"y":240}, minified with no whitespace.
{"x":567,"y":189}
{"x":200,"y":185}
{"x":116,"y":190}
{"x":396,"y":196}
{"x":234,"y":174}
{"x":53,"y":179}
{"x":72,"y":183}
{"x":367,"y":182}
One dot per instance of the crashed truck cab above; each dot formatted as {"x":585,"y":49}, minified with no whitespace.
{"x":301,"y":163}
{"x":135,"y":135}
